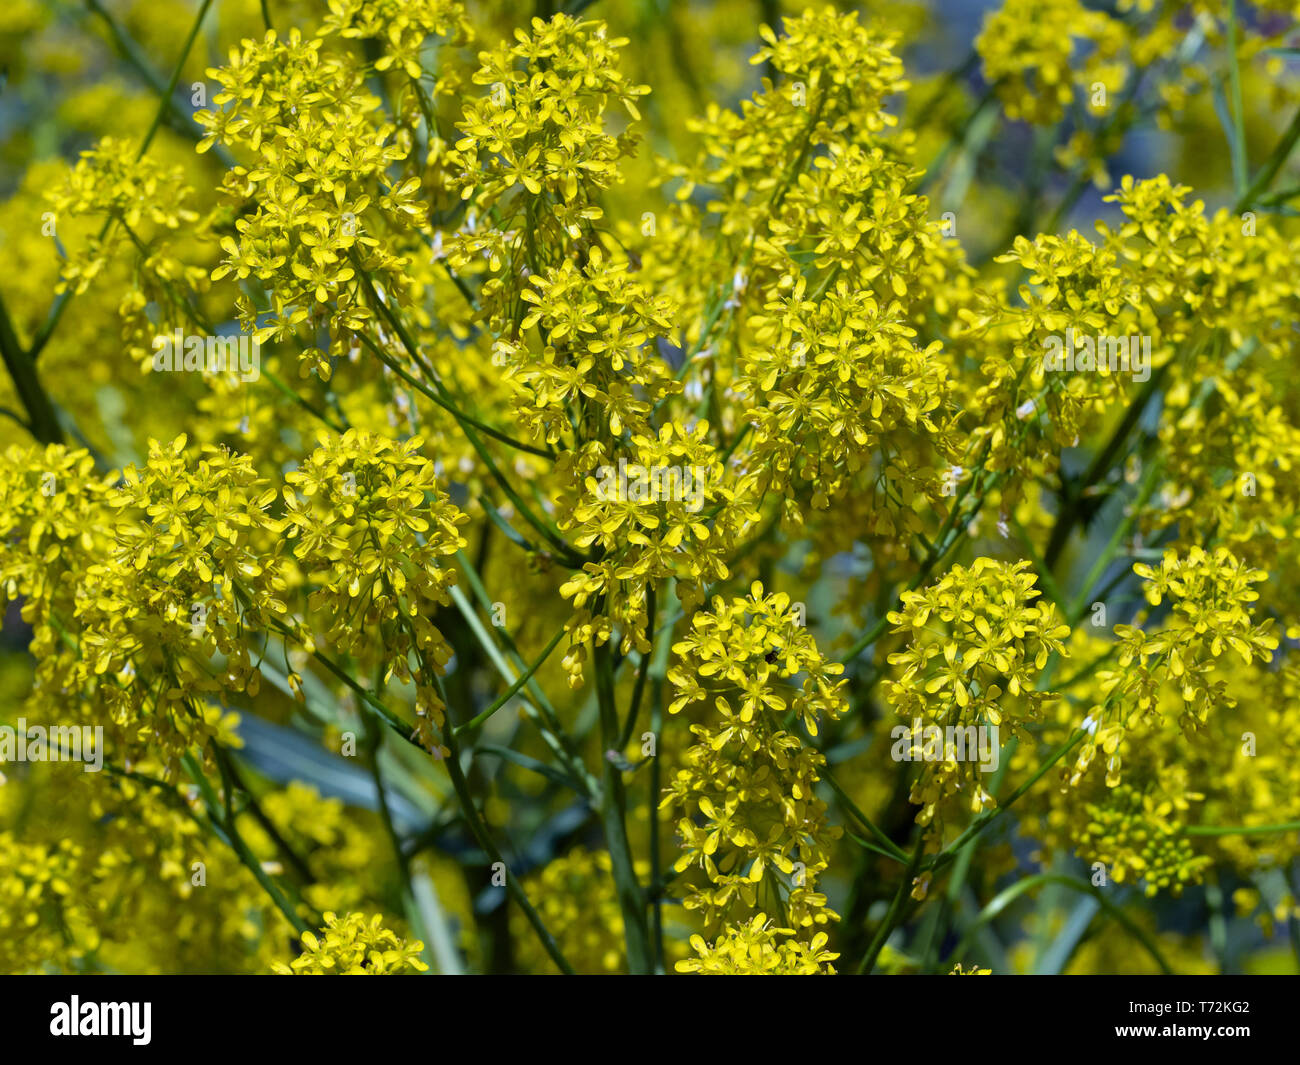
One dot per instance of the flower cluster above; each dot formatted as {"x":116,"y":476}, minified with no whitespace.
{"x":372,"y":530}
{"x":142,"y":198}
{"x":319,"y":187}
{"x":746,"y":797}
{"x":625,"y":471}
{"x":1029,"y":53}
{"x":1130,"y":832}
{"x":100,"y":870}
{"x":353,"y":946}
{"x":541,"y":129}
{"x":578,"y":903}
{"x":598,"y":324}
{"x":846,"y":391}
{"x":673,"y":512}
{"x":754,"y":949}
{"x":188,"y":579}
{"x":1210,"y":597}
{"x":977,"y":644}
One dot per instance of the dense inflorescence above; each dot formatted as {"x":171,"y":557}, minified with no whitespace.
{"x":613,"y":491}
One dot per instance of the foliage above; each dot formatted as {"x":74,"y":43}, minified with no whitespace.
{"x":499,"y":486}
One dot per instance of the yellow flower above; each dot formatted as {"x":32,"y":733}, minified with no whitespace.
{"x":353,"y":946}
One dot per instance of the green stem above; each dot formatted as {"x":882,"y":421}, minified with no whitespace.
{"x":1240,"y":830}
{"x":450,"y":408}
{"x":567,"y":553}
{"x":895,"y":907}
{"x":510,"y":692}
{"x":229,"y":834}
{"x":231,"y":769}
{"x":642,"y":671}
{"x":1265,"y":177}
{"x":631,"y":899}
{"x":480,"y":833}
{"x":984,"y":820}
{"x":41,"y":422}
{"x":134,"y":55}
{"x":1073,"y":512}
{"x":892,"y":848}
